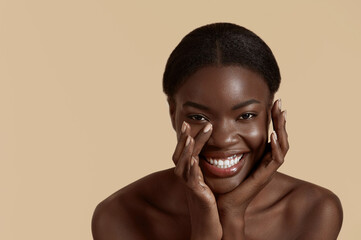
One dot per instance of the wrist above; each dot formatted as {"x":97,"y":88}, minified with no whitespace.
{"x":233,"y":228}
{"x":207,"y":227}
{"x":205,"y":222}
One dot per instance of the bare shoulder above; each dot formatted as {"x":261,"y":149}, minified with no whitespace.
{"x":128,"y":213}
{"x":123,"y":214}
{"x":317,"y":210}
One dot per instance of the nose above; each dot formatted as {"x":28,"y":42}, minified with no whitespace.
{"x":224,"y":135}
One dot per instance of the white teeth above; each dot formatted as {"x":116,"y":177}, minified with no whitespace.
{"x":226,"y":163}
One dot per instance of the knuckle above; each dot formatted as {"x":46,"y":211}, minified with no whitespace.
{"x":286,"y":134}
{"x":278,"y":159}
{"x":176,"y":171}
{"x":177,"y":174}
{"x":286,"y":149}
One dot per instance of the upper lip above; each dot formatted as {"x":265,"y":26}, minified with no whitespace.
{"x":222,"y":154}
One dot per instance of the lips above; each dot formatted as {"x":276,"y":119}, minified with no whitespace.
{"x":225,"y":163}
{"x":222,"y":165}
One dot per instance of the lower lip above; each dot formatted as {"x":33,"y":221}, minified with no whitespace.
{"x":222,"y":172}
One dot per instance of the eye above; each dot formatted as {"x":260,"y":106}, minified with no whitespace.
{"x":246,"y":116}
{"x":197,"y":117}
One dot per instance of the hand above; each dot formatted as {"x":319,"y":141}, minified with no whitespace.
{"x":232,"y":206}
{"x":202,"y":205}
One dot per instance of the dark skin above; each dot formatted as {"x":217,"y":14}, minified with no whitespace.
{"x":219,"y":112}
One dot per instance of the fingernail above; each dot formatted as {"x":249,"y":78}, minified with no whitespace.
{"x":285,"y":115}
{"x":188,"y":140}
{"x":280,"y":104}
{"x":192,"y":161}
{"x":207,"y":128}
{"x":184,"y":127}
{"x":274,"y":136}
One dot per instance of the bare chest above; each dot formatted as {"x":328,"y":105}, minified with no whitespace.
{"x":275,"y":222}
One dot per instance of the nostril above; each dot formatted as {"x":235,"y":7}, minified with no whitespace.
{"x":222,"y":141}
{"x":224,"y":134}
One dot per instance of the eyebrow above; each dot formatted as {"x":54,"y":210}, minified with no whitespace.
{"x":235,"y":107}
{"x":245,"y":103}
{"x":195,"y":105}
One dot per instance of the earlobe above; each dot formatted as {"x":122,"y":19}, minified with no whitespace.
{"x":171,"y":105}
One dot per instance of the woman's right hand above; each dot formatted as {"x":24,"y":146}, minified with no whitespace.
{"x":202,"y":204}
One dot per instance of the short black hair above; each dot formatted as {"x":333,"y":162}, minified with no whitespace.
{"x":220,"y":44}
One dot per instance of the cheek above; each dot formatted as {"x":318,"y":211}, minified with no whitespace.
{"x":255,"y":136}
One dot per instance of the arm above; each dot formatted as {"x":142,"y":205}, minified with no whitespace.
{"x":205,"y":223}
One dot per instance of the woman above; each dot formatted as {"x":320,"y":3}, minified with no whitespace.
{"x":220,"y":82}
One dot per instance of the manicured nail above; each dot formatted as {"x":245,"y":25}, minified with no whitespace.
{"x":184,"y":127}
{"x":285,"y":115}
{"x":188,"y":140}
{"x":274,"y":136}
{"x":207,"y":128}
{"x":280,"y":104}
{"x":193,"y":160}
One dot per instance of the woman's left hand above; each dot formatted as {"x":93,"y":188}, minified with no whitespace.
{"x":232,"y":205}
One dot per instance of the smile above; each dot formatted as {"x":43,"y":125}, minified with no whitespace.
{"x":225,"y":162}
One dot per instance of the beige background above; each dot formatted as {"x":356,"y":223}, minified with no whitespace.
{"x":82,"y":113}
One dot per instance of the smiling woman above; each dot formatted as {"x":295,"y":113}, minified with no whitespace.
{"x":220,"y":82}
{"x":236,"y":102}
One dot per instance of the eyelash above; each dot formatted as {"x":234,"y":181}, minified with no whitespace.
{"x":250,"y":116}
{"x":194,"y":116}
{"x":244,"y":116}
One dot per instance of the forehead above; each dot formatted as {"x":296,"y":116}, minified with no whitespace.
{"x":223,"y":86}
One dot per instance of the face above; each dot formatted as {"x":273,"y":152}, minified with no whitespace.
{"x":236,"y":101}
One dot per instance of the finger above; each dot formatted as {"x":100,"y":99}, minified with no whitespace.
{"x":276,"y":115}
{"x":277,"y":155}
{"x":201,"y":138}
{"x":194,"y":173}
{"x":185,"y":129}
{"x":279,"y":125}
{"x":283,"y":136}
{"x":183,"y":165}
{"x":268,"y":166}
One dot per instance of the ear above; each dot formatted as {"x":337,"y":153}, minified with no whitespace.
{"x":171,"y":104}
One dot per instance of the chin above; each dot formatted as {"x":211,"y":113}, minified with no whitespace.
{"x":222,"y":185}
